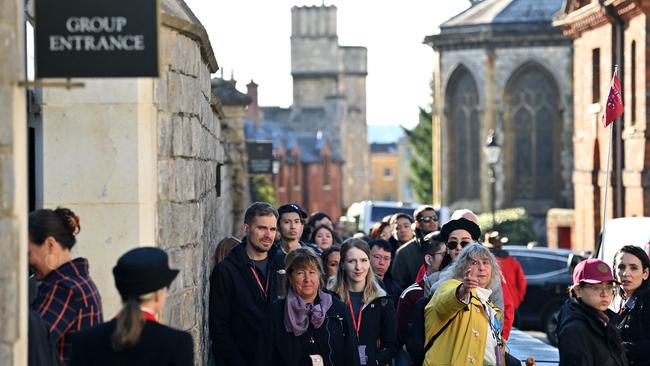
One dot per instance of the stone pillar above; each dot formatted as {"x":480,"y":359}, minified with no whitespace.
{"x":13,"y":187}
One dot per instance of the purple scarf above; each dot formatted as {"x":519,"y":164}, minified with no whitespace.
{"x":298,"y":313}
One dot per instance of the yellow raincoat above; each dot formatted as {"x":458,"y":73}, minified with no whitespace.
{"x":463,"y":342}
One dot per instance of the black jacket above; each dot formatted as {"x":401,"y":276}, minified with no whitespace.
{"x":238,"y":308}
{"x":41,"y":350}
{"x":415,"y":339}
{"x":409,"y":258}
{"x":158,"y":345}
{"x":585,"y":340}
{"x":634,"y":325}
{"x":379,"y":326}
{"x":335,"y":340}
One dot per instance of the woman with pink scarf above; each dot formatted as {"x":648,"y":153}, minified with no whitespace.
{"x":310,"y":327}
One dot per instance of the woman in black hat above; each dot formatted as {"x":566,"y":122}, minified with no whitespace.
{"x":135,"y":337}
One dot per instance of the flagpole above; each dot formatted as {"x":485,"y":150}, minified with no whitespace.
{"x":609,"y":153}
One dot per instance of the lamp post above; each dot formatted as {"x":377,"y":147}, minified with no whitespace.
{"x":492,"y":154}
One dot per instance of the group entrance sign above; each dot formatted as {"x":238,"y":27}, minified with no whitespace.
{"x":96,"y":38}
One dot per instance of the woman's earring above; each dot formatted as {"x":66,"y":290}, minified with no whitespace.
{"x":52,"y":261}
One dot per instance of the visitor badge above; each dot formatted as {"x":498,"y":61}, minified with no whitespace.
{"x":317,"y":360}
{"x":363,"y":359}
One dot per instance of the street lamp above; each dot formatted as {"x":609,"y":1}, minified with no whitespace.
{"x":492,"y":154}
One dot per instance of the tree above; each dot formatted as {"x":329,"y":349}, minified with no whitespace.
{"x":422,"y":157}
{"x":262,"y":190}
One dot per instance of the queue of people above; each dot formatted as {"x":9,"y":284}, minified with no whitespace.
{"x":436,"y":296}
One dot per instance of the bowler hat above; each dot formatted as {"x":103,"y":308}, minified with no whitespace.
{"x":592,"y":271}
{"x":141,"y":271}
{"x":292,"y":207}
{"x":460,"y":224}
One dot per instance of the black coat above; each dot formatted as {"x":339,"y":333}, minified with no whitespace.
{"x":158,"y":345}
{"x":40,"y":347}
{"x":415,"y":339}
{"x":407,"y":262}
{"x":634,"y":325}
{"x":238,"y":308}
{"x":379,"y":325}
{"x":335,"y":339}
{"x":585,"y":340}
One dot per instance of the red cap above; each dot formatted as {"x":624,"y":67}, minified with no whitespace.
{"x":592,"y":271}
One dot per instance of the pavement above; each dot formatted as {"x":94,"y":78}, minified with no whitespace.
{"x":523,"y":346}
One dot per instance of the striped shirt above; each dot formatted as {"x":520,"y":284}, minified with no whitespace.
{"x":68,"y":301}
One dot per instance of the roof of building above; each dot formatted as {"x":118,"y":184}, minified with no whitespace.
{"x":226,"y":91}
{"x":383,"y":147}
{"x":497,"y":12}
{"x":309,"y":144}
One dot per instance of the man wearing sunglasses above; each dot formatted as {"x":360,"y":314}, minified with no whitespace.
{"x":410,"y":256}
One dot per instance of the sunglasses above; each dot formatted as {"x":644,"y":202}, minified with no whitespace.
{"x":453,"y":244}
{"x":428,"y":219}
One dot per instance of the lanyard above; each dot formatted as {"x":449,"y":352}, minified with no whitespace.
{"x":259,"y":283}
{"x":355,"y":323}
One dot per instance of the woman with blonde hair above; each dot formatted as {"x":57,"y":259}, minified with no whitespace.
{"x":371,"y":309}
{"x":462,"y":324}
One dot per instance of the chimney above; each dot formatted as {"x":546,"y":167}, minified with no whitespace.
{"x":253,"y":111}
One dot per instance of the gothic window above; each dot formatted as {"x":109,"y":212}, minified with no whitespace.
{"x":533,"y":106}
{"x":464,"y":145}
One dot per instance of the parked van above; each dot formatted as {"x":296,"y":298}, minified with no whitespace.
{"x":362,"y":215}
{"x":624,"y":231}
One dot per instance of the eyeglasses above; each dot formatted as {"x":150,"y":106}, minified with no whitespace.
{"x":428,"y":219}
{"x":608,"y":289}
{"x":380,"y":257}
{"x":453,"y":244}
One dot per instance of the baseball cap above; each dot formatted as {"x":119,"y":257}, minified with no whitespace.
{"x":592,"y":271}
{"x":292,"y":207}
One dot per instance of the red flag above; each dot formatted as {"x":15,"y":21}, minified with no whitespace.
{"x":614,"y":106}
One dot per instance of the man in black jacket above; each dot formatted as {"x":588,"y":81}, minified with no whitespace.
{"x":242,"y":287}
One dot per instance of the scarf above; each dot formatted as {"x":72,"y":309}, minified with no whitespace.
{"x":298,"y":314}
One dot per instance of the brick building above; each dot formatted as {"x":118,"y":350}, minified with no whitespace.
{"x":309,"y":171}
{"x":606,"y":33}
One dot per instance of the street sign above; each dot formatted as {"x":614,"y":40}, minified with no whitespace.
{"x":100,"y":38}
{"x":260,"y":157}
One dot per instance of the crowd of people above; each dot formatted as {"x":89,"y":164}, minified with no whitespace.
{"x":295,"y":291}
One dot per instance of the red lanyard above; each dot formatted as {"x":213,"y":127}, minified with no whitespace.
{"x":257,"y":278}
{"x":357,"y":324}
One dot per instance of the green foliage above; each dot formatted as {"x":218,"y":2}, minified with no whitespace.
{"x":421,"y":159}
{"x":262,"y":190}
{"x":513,"y":223}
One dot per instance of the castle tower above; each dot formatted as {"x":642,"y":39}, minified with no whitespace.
{"x":326,"y":75}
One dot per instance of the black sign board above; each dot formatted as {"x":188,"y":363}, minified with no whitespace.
{"x":96,"y":38}
{"x":260,"y":157}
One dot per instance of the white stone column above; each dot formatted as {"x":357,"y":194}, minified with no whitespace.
{"x":13,"y":187}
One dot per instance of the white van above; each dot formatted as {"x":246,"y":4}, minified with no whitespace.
{"x":360,"y":216}
{"x":624,"y":231}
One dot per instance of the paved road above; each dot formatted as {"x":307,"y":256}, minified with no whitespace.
{"x":522,"y":346}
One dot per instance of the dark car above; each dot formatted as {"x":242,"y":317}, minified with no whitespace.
{"x":548,"y":274}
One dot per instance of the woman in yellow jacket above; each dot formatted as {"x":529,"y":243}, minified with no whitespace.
{"x":462,"y":325}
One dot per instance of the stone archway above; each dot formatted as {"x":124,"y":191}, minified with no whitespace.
{"x":462,"y":137}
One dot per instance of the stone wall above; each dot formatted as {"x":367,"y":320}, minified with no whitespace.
{"x":192,"y":214}
{"x":13,"y":185}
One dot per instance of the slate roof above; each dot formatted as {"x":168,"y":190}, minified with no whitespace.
{"x":226,"y":91}
{"x":310,"y":144}
{"x":383,"y":147}
{"x":496,"y":12}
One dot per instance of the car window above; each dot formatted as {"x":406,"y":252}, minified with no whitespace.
{"x":533,"y":265}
